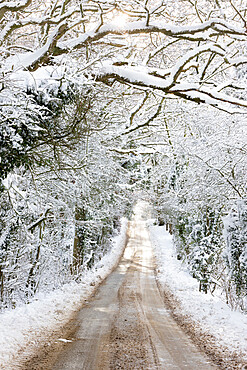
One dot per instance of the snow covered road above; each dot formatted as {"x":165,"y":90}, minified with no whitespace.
{"x":126,"y":325}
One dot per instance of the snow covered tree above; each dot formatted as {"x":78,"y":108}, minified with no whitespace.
{"x":208,"y":147}
{"x":72,"y":168}
{"x":112,"y":42}
{"x":56,"y":48}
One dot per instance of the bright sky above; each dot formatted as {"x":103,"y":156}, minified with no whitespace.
{"x":119,"y":19}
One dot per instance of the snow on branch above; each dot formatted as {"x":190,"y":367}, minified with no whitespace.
{"x":179,"y":67}
{"x":38,"y":222}
{"x":53,"y":47}
{"x":13,"y":6}
{"x":164,"y":80}
{"x":34,"y":60}
{"x":19,"y":23}
{"x":137,"y":108}
{"x":182,"y":79}
{"x":217,"y":26}
{"x":193,"y":91}
{"x":147,"y":122}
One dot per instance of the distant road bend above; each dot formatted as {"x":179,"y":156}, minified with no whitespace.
{"x":126,"y":325}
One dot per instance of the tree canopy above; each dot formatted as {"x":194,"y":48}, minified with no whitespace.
{"x":191,"y":49}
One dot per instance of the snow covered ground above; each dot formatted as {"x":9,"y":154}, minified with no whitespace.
{"x":30,"y":324}
{"x":213,"y":315}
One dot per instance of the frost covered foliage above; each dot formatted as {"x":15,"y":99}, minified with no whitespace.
{"x":58,"y":214}
{"x":29,"y":118}
{"x":199,"y":243}
{"x":201,"y":175}
{"x":53,"y":228}
{"x":236,"y":253}
{"x":17,"y":131}
{"x":36,"y":235}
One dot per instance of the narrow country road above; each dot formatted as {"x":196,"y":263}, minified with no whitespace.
{"x":126,"y":325}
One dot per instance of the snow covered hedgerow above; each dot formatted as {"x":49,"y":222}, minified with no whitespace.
{"x":199,"y":243}
{"x":235,"y":231}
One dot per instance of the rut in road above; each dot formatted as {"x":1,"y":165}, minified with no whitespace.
{"x":126,"y":325}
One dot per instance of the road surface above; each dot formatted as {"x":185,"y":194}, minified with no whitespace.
{"x":126,"y":325}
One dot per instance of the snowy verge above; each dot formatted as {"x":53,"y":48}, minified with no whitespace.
{"x":212,"y":314}
{"x":32,"y":323}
